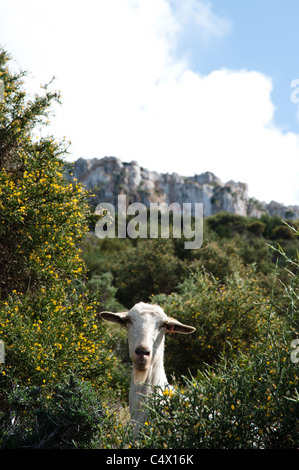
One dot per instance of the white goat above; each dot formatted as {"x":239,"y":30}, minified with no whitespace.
{"x":146,"y":325}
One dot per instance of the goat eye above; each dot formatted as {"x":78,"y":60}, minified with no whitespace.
{"x":127,"y":321}
{"x":164,"y":325}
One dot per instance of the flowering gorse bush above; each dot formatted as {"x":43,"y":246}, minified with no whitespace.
{"x":50,"y":331}
{"x":43,"y":217}
{"x":52,"y":335}
{"x":250,"y":401}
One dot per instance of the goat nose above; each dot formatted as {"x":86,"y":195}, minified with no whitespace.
{"x":142,"y":351}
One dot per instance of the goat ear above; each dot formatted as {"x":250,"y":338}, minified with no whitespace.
{"x":174,"y":326}
{"x":111,"y":317}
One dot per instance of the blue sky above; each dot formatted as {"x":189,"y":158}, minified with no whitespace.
{"x":262,"y":35}
{"x":179,"y":86}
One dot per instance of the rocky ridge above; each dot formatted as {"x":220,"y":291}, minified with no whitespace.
{"x":109,"y":177}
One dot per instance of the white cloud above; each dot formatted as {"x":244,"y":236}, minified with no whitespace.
{"x":126,"y":94}
{"x":199,"y":15}
{"x":221,"y":122}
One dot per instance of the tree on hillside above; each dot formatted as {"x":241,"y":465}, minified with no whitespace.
{"x":50,"y":332}
{"x":42,"y":216}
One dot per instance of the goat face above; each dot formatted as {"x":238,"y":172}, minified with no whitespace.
{"x":146,"y":328}
{"x":146,"y":325}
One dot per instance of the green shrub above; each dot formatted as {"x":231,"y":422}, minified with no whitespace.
{"x":270,"y":223}
{"x":217,"y":259}
{"x":256,"y":227}
{"x":100,"y":287}
{"x":254,"y":250}
{"x":227,"y":318}
{"x":248,"y":402}
{"x":70,"y":416}
{"x":100,"y":255}
{"x":149,"y":268}
{"x":282,"y":232}
{"x":226,"y":224}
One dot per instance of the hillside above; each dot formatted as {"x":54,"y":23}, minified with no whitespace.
{"x":65,"y":374}
{"x":108,"y":177}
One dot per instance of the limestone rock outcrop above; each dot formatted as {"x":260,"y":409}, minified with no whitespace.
{"x":109,"y":177}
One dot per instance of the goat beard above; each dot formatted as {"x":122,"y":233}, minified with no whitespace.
{"x":139,"y":376}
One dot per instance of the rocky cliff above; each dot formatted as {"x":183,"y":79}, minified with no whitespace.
{"x":108,"y":177}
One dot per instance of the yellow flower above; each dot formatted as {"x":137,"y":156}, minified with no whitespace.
{"x":168,"y":393}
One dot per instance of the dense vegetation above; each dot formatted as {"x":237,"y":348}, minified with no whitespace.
{"x":64,"y":382}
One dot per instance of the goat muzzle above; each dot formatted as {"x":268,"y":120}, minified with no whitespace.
{"x":142,"y":351}
{"x":142,"y":358}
